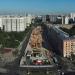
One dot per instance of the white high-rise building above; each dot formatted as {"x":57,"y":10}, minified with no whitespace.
{"x":73,"y":16}
{"x":28,"y":20}
{"x":44,"y":18}
{"x":15,"y":23}
{"x":66,"y":20}
{"x":22,"y":24}
{"x":63,"y":19}
{"x":1,"y":23}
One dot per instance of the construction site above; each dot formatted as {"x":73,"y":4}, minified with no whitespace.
{"x":36,"y":52}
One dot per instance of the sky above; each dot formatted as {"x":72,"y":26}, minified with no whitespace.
{"x":38,"y":6}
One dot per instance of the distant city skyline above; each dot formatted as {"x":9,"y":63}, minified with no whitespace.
{"x":37,"y":6}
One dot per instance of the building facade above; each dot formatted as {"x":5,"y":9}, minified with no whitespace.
{"x":55,"y":19}
{"x":15,"y":23}
{"x":49,"y":18}
{"x":0,"y":23}
{"x":67,"y":20}
{"x":73,"y":16}
{"x":61,"y":42}
{"x":69,"y":47}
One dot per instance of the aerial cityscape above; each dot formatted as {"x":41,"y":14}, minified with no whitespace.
{"x":37,"y":37}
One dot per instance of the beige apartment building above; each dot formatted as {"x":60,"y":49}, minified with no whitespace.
{"x":62,"y":42}
{"x":68,"y":47}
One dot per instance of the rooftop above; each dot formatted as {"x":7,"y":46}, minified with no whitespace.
{"x":65,"y":33}
{"x":70,"y":31}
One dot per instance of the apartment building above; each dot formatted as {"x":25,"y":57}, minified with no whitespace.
{"x":62,"y":42}
{"x":57,"y":19}
{"x":69,"y":46}
{"x":73,"y":16}
{"x":67,"y":20}
{"x":15,"y":23}
{"x":49,"y":18}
